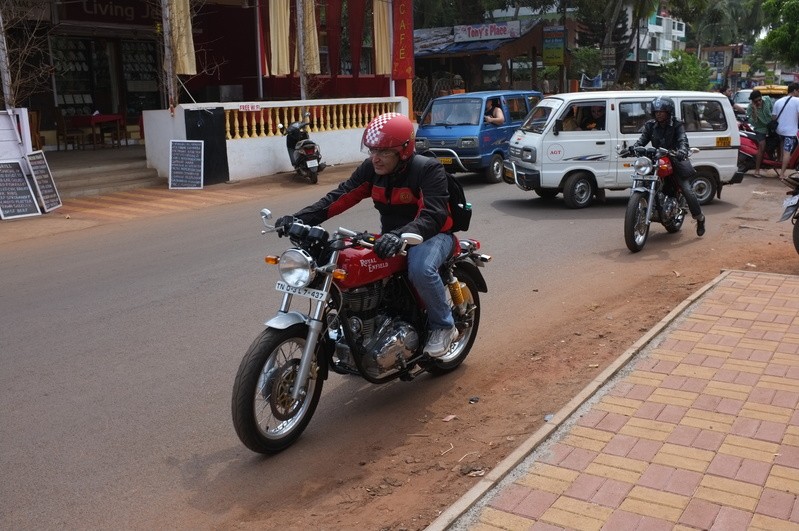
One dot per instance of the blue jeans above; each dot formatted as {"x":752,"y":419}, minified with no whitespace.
{"x":423,"y":263}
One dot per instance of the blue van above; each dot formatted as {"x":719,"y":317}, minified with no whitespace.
{"x":454,"y":128}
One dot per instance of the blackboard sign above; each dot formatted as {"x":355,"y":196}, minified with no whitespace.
{"x":43,"y":179}
{"x":186,"y":164}
{"x":16,"y":195}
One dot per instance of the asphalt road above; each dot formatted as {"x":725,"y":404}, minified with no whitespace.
{"x":119,"y":344}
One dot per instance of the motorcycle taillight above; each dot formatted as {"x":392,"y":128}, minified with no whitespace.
{"x":309,"y":151}
{"x":664,"y":167}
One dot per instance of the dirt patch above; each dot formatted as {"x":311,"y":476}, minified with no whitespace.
{"x":408,"y":485}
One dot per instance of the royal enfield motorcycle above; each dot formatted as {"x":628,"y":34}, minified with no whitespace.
{"x":656,"y":196}
{"x":347,"y":311}
{"x":304,"y":153}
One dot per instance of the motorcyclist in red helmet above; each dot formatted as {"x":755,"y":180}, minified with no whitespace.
{"x":666,"y":131}
{"x":408,"y":201}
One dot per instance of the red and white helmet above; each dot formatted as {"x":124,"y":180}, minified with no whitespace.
{"x":391,"y":130}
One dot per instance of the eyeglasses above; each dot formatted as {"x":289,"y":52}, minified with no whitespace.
{"x":381,"y":153}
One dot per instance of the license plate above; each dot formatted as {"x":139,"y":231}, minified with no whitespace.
{"x":509,"y":172}
{"x":445,"y":160}
{"x":315,"y":294}
{"x":723,"y":141}
{"x":312,"y":163}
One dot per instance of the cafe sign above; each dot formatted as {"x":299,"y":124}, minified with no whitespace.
{"x":127,"y":12}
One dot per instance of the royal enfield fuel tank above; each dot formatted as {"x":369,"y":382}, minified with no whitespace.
{"x":363,"y":267}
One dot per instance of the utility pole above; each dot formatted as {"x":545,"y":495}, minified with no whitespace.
{"x":169,"y":66}
{"x":301,"y":46}
{"x":5,"y":71}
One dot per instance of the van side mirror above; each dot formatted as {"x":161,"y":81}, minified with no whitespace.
{"x":558,"y":126}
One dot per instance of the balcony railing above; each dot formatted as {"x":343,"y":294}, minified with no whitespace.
{"x":261,"y":119}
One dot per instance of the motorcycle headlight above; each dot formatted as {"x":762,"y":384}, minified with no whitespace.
{"x":642,"y":166}
{"x":296,"y":268}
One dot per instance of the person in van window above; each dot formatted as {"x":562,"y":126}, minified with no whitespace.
{"x":595,"y":119}
{"x":407,"y":202}
{"x":494,"y":114}
{"x":786,"y":112}
{"x":666,"y":131}
{"x":759,"y":115}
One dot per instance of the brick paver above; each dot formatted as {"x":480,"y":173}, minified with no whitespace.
{"x":702,"y":432}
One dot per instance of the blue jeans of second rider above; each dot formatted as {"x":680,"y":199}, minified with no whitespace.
{"x":423,"y":263}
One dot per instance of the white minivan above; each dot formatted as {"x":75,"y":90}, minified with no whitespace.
{"x":569,"y":143}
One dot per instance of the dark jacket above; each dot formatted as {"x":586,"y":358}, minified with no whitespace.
{"x":671,"y":135}
{"x":407,"y":203}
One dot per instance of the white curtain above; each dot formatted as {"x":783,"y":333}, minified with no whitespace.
{"x":279,"y":13}
{"x":182,"y":39}
{"x":382,"y":21}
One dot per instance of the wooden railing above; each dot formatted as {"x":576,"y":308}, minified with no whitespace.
{"x":261,"y":119}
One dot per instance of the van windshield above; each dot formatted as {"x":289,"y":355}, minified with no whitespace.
{"x":537,"y":119}
{"x":467,"y":111}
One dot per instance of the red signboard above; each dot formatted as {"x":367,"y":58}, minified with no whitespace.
{"x":402,"y":64}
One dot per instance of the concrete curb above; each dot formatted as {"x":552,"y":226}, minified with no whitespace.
{"x":504,"y":467}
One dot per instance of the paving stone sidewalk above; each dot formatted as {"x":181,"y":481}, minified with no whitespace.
{"x":697,"y":429}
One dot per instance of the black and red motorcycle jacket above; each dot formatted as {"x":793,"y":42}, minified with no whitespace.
{"x":416,"y":203}
{"x":669,"y":135}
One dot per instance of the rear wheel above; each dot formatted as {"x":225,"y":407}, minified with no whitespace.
{"x":466,"y":322}
{"x":676,"y":224}
{"x":493,"y":174}
{"x":578,"y":191}
{"x":636,"y":228}
{"x":704,"y":187}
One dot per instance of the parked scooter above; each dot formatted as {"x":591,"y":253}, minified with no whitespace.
{"x":304,"y":153}
{"x":747,"y":153}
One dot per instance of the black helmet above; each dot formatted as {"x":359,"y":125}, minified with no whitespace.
{"x":663,"y":103}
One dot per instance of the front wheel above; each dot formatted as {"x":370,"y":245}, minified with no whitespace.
{"x":493,"y":174}
{"x":578,"y":191}
{"x":266,"y":416}
{"x":704,"y":187}
{"x":675,"y":224}
{"x":796,"y":235}
{"x":636,"y":227}
{"x":467,"y":322}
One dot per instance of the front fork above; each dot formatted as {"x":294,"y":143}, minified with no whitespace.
{"x":651,"y":190}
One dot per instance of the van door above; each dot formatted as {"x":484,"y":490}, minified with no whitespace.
{"x":633,"y":114}
{"x":583,"y":143}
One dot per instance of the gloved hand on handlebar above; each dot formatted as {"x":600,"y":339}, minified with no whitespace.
{"x":283,"y":223}
{"x":682,"y":154}
{"x":387,"y":245}
{"x":631,"y":151}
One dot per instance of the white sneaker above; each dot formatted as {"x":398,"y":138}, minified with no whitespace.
{"x":439,"y":342}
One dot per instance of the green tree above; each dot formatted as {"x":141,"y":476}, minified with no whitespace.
{"x":685,"y":72}
{"x":782,"y":42}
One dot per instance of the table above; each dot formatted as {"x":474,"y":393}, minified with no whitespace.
{"x":91,"y":120}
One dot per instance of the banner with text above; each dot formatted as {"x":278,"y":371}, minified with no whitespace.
{"x":402,"y":65}
{"x":485,"y":32}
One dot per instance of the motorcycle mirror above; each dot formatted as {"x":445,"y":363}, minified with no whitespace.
{"x":411,"y":239}
{"x":266,"y":214}
{"x":280,"y":126}
{"x":694,"y":150}
{"x":307,"y":114}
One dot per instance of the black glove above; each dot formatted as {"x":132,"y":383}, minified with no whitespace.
{"x":283,"y":223}
{"x":388,"y":245}
{"x":631,"y":151}
{"x":682,"y":154}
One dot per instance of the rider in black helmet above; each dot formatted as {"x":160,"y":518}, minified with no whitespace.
{"x":665,"y":131}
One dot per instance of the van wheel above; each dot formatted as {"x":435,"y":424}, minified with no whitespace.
{"x":578,"y":191}
{"x":493,"y":174}
{"x":704,"y":187}
{"x":546,"y":193}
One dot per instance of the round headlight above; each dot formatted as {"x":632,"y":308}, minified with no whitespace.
{"x":296,"y":268}
{"x":642,"y":166}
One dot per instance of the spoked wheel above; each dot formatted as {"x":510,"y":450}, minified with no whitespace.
{"x":466,"y":322}
{"x":636,"y":228}
{"x":676,"y":224}
{"x":266,"y":416}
